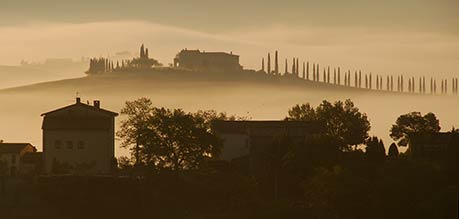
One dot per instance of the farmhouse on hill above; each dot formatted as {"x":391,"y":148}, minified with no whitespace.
{"x":207,"y":61}
{"x":77,"y":136}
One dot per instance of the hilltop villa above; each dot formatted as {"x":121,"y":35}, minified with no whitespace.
{"x":207,"y":61}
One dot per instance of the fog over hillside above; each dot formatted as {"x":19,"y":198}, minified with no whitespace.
{"x":21,"y":107}
{"x":409,"y":37}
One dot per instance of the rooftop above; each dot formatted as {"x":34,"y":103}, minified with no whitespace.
{"x":13,"y":147}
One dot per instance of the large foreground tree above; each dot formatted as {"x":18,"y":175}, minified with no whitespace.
{"x":412,"y":123}
{"x":168,"y":138}
{"x":343,"y":120}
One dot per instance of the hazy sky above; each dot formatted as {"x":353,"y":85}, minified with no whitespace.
{"x":420,"y":36}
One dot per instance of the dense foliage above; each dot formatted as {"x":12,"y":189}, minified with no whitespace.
{"x":343,"y":120}
{"x":412,"y":123}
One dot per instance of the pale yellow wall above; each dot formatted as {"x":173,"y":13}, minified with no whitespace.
{"x":98,"y":148}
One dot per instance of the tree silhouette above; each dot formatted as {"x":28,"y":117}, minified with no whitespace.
{"x":342,"y":119}
{"x":167,"y":139}
{"x":263,"y":64}
{"x":276,"y":63}
{"x":269,"y":63}
{"x":393,"y":151}
{"x":412,"y":123}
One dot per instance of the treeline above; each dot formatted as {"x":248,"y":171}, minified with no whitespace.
{"x":356,"y":79}
{"x":174,"y":172}
{"x":103,"y":65}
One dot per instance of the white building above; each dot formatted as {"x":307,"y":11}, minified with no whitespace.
{"x":79,"y":137}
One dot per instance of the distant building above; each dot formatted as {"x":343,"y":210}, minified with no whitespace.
{"x":79,"y":135}
{"x":207,"y":61}
{"x":11,"y":154}
{"x":434,"y":146}
{"x":245,"y":143}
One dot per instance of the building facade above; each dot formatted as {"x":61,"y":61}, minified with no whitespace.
{"x":251,"y":141}
{"x":79,"y":137}
{"x":11,"y":156}
{"x":434,"y":146}
{"x":207,"y":61}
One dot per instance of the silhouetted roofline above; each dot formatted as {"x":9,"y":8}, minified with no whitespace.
{"x":13,"y":147}
{"x":243,"y":126}
{"x":84,"y":105}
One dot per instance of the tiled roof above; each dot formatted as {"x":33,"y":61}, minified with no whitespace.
{"x":86,"y":106}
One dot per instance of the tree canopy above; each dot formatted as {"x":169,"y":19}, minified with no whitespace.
{"x":412,"y":123}
{"x":168,"y":138}
{"x":343,"y":120}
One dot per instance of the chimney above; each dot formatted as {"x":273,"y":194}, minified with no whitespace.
{"x":97,"y":104}
{"x":78,"y":100}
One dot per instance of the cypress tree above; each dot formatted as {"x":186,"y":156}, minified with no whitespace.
{"x":269,"y":63}
{"x":263,"y":64}
{"x":307,"y":71}
{"x":286,"y":67}
{"x":393,"y":151}
{"x":328,"y":75}
{"x":304,"y":70}
{"x":313,"y":72}
{"x":339,"y":76}
{"x":276,"y":64}
{"x":360,"y":78}
{"x":142,"y":51}
{"x":293,"y":66}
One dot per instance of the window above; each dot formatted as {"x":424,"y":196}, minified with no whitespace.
{"x":80,"y":145}
{"x":13,"y":158}
{"x":69,"y":144}
{"x":57,"y":144}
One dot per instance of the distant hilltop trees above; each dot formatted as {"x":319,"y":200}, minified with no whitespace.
{"x":102,"y":65}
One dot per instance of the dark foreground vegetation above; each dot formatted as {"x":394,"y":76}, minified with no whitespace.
{"x":354,"y":187}
{"x":173,"y":172}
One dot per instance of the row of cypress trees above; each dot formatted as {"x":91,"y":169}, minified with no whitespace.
{"x":359,"y":79}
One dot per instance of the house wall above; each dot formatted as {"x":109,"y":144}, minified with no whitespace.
{"x":234,"y":146}
{"x":98,"y":148}
{"x":16,"y":161}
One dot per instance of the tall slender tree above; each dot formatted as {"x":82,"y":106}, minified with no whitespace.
{"x":263,"y":64}
{"x":339,"y":75}
{"x":304,"y":70}
{"x":293,"y":66}
{"x":276,"y":63}
{"x":307,"y":71}
{"x":286,"y":67}
{"x":328,"y":75}
{"x":269,"y":63}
